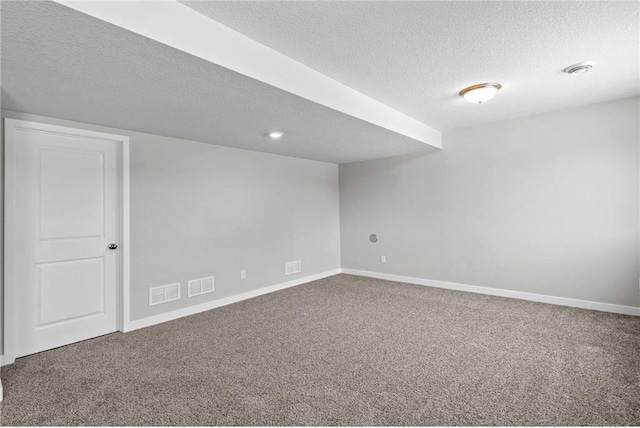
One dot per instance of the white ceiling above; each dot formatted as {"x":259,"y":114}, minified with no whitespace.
{"x":417,"y":56}
{"x":412,"y":56}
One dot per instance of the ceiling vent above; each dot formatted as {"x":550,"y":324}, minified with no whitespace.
{"x":580,"y":68}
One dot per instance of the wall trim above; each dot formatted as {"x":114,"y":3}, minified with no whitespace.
{"x":191,"y":310}
{"x":543,"y":298}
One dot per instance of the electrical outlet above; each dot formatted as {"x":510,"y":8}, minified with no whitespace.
{"x":243,"y":274}
{"x":383,"y":259}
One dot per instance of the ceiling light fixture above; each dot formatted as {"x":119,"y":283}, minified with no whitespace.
{"x":580,"y":68}
{"x":275,"y":134}
{"x":478,"y":94}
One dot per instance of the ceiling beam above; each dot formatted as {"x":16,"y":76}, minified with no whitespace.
{"x":178,"y":26}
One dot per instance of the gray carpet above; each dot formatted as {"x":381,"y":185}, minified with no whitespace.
{"x":344,"y":351}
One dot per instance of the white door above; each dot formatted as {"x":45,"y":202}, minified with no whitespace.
{"x":65,"y":231}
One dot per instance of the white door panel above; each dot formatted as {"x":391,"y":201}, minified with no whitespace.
{"x":55,"y":282}
{"x":65,"y":215}
{"x":68,"y":207}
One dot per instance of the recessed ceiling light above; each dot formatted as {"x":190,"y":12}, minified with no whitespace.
{"x":275,"y":134}
{"x":478,"y":94}
{"x":580,"y":68}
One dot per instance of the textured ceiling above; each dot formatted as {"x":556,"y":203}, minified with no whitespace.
{"x":416,"y":56}
{"x":61,"y":63}
{"x":412,"y":56}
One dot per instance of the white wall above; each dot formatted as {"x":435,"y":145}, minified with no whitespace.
{"x":199,"y":209}
{"x":546,"y":204}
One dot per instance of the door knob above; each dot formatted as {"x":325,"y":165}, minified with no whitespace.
{"x":113,"y":246}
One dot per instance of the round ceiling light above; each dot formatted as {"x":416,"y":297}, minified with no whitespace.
{"x":478,"y":94}
{"x":275,"y":134}
{"x":580,"y":68}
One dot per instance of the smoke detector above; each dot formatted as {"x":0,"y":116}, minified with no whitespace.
{"x":580,"y":68}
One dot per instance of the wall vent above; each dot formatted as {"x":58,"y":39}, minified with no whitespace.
{"x":292,"y":267}
{"x":200,"y":286}
{"x":164,"y":294}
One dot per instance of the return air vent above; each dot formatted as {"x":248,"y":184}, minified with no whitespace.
{"x":292,"y":267}
{"x":200,"y":286}
{"x":164,"y":294}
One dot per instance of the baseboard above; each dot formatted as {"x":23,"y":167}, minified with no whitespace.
{"x":1,"y":364}
{"x":191,"y":310}
{"x":563,"y":301}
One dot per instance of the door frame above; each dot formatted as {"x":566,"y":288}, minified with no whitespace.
{"x":11,"y":126}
